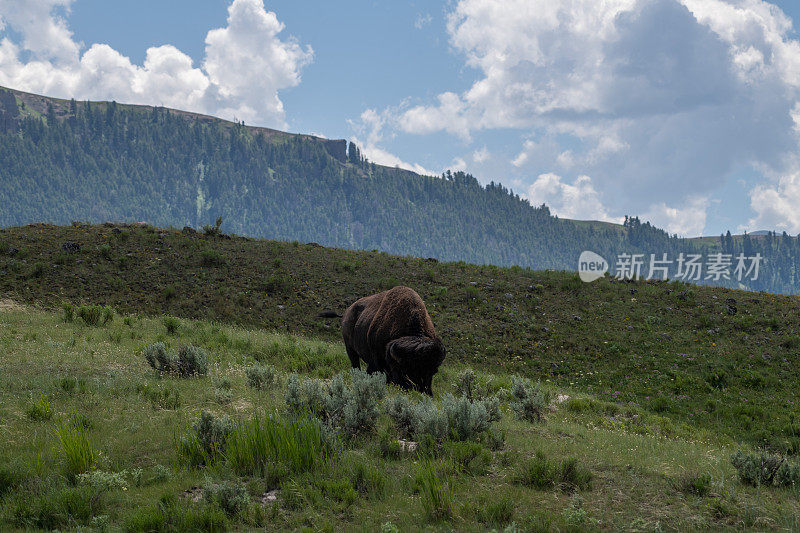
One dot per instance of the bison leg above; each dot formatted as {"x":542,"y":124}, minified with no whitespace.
{"x":354,"y":359}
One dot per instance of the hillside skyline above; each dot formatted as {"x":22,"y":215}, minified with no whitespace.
{"x":39,"y":102}
{"x":677,"y":111}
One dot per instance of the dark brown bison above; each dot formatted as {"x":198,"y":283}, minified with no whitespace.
{"x":393,"y":333}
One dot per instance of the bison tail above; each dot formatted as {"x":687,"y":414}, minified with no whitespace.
{"x":327,"y":313}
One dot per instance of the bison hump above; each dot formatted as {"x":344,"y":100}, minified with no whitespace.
{"x":401,"y":313}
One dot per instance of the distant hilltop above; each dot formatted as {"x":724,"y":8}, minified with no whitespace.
{"x":67,"y":160}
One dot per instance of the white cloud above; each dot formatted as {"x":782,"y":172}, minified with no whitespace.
{"x":481,"y":155}
{"x":450,"y":115}
{"x":458,"y":164}
{"x":246,"y":64}
{"x":686,"y":221}
{"x":422,"y":20}
{"x":581,"y":200}
{"x":44,"y":32}
{"x":776,"y":206}
{"x":370,"y":129}
{"x":652,"y":98}
{"x":578,"y":200}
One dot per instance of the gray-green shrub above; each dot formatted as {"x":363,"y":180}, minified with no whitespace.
{"x":416,"y":419}
{"x":260,"y":376}
{"x":465,"y":418}
{"x":764,"y":469}
{"x":205,"y":443}
{"x":231,"y":496}
{"x":160,"y":358}
{"x":459,"y":418}
{"x":352,"y":405}
{"x":190,"y":361}
{"x":529,"y":401}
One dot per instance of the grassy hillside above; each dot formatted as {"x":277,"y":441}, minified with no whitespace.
{"x":721,"y":360}
{"x":99,"y":161}
{"x":78,"y":398}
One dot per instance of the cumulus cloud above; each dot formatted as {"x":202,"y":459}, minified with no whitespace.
{"x":481,"y":155}
{"x":776,"y":205}
{"x":246,"y":64}
{"x":579,"y":200}
{"x":685,"y":221}
{"x":652,"y":98}
{"x":44,"y":31}
{"x":370,"y":129}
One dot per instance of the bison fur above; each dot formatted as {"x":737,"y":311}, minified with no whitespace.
{"x":392,"y":333}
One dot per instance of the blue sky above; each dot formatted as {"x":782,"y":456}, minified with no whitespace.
{"x":679,"y":111}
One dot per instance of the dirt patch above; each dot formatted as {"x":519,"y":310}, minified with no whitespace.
{"x":269,"y":497}
{"x":7,"y":304}
{"x":194,"y":494}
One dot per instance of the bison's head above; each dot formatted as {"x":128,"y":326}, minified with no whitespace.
{"x":411,"y":362}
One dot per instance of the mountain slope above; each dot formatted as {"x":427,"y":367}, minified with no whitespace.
{"x":65,"y":161}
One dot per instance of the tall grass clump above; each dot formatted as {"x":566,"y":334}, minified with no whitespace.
{"x":529,"y":401}
{"x":368,"y":480}
{"x":78,"y":449}
{"x":172,"y":324}
{"x":95,"y":315}
{"x":497,"y":512}
{"x":40,"y":409}
{"x":437,"y":497}
{"x":543,"y":474}
{"x":255,"y":444}
{"x":68,"y":312}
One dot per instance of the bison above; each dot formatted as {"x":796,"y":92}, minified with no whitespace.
{"x":393,"y":333}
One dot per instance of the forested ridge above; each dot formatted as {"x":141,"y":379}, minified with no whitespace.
{"x":65,"y":160}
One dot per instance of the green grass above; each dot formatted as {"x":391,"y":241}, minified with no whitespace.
{"x":437,"y":498}
{"x":78,"y":449}
{"x":609,"y":462}
{"x":665,"y":347}
{"x":260,"y":441}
